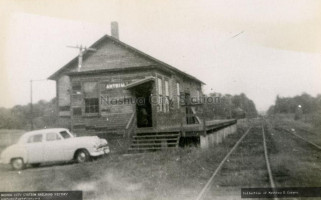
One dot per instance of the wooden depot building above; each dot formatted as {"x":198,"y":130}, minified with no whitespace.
{"x":134,"y":100}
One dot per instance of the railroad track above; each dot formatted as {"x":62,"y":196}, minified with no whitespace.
{"x":206,"y":189}
{"x":267,"y":161}
{"x":299,"y":137}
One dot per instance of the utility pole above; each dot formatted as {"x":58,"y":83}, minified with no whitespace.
{"x":31,"y":101}
{"x":81,"y":53}
{"x":31,"y":106}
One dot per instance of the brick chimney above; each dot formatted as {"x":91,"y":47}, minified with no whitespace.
{"x":114,"y":30}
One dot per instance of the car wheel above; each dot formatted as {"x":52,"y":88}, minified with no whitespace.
{"x":82,"y":156}
{"x":35,"y":165}
{"x":17,"y":164}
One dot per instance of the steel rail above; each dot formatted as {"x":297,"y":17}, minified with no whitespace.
{"x":205,"y":188}
{"x":315,"y":145}
{"x":268,"y":166}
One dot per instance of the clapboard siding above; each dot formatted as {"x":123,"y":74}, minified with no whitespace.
{"x":109,"y":122}
{"x":111,"y":116}
{"x":112,"y":56}
{"x":63,"y":89}
{"x":114,"y":62}
{"x":177,"y":113}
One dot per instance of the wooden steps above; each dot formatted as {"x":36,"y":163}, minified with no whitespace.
{"x":133,"y":150}
{"x":152,"y":141}
{"x":158,"y":136}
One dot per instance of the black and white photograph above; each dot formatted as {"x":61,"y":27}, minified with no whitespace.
{"x":160,"y":99}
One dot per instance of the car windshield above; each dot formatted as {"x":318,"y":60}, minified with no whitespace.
{"x":65,"y":134}
{"x":73,"y":134}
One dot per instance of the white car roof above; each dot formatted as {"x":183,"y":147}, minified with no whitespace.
{"x":42,"y":131}
{"x":48,"y":130}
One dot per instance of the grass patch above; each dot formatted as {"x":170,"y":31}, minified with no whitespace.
{"x":296,"y":163}
{"x":305,"y":130}
{"x":246,"y":165}
{"x":173,"y":174}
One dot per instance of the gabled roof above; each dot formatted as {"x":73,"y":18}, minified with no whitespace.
{"x":74,"y":61}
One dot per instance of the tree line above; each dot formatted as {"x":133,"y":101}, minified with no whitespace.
{"x":19,"y":117}
{"x":230,"y":106}
{"x":302,"y":106}
{"x":45,"y":113}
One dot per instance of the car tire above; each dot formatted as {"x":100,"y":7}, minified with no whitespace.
{"x":82,"y":156}
{"x":35,"y":164}
{"x":17,"y":164}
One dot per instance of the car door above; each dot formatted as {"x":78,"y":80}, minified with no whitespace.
{"x":54,"y":147}
{"x":69,"y":144}
{"x":35,"y":148}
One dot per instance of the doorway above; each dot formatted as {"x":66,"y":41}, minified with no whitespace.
{"x":142,"y":94}
{"x":190,"y":118}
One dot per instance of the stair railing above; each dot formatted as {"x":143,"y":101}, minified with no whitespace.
{"x":130,"y":127}
{"x":192,"y":116}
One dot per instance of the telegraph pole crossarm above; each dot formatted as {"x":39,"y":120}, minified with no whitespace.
{"x":81,"y":52}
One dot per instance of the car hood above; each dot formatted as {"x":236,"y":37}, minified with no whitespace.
{"x":95,"y":140}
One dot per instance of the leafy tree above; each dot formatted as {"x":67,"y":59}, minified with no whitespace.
{"x":19,"y":116}
{"x":302,"y":106}
{"x":230,"y":106}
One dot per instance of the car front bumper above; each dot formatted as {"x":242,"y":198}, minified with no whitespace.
{"x":99,"y":152}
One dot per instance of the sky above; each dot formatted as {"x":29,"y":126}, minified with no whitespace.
{"x":260,"y":48}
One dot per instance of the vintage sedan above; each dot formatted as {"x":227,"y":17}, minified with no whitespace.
{"x":52,"y":145}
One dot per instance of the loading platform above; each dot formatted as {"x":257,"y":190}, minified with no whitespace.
{"x":146,"y":139}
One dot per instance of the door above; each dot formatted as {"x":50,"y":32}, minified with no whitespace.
{"x":54,"y":148}
{"x":190,"y":118}
{"x":143,"y":105}
{"x":35,"y":148}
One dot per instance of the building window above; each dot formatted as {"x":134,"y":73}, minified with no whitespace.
{"x":160,"y":94}
{"x":91,"y":105}
{"x":166,"y":89}
{"x":76,"y":88}
{"x":64,"y":108}
{"x":160,"y":86}
{"x":166,"y":100}
{"x":166,"y":104}
{"x":198,"y":96}
{"x":178,"y":94}
{"x":90,"y":89}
